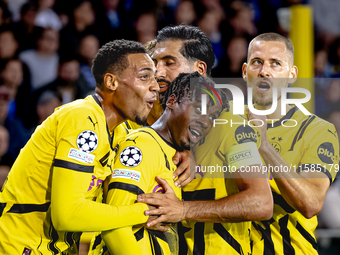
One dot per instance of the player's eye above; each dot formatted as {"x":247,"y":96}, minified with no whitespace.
{"x":145,"y":77}
{"x":257,"y":62}
{"x":276,"y":63}
{"x":212,"y":117}
{"x":170,"y":62}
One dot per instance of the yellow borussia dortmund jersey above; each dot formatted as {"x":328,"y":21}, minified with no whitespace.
{"x":142,"y":156}
{"x":131,"y":125}
{"x":213,"y":181}
{"x":74,"y":146}
{"x":311,"y":144}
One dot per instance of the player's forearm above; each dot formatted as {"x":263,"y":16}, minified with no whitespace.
{"x":301,"y":194}
{"x":92,"y":216}
{"x":72,"y":212}
{"x":121,"y":241}
{"x":243,"y":206}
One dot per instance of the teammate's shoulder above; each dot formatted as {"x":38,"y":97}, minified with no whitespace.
{"x":315,"y":122}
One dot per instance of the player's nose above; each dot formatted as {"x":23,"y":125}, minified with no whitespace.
{"x":161,"y":72}
{"x":265,"y":70}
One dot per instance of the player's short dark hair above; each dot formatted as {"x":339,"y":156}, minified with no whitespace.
{"x":196,"y":44}
{"x":112,"y":57}
{"x":273,"y":37}
{"x":180,"y":87}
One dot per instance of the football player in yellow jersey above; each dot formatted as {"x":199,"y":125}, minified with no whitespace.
{"x":145,"y":153}
{"x":239,"y":199}
{"x":301,"y":152}
{"x":178,"y":49}
{"x":48,"y":198}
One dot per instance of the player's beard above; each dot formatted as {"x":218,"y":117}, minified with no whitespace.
{"x":141,"y":120}
{"x":185,"y":145}
{"x":162,"y":97}
{"x":264,"y":100}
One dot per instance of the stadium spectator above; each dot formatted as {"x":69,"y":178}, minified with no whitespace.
{"x":75,"y":85}
{"x":210,"y":25}
{"x":240,"y":21}
{"x":326,"y":25}
{"x":88,"y":47}
{"x":185,"y":13}
{"x":8,"y":43}
{"x":4,"y":164}
{"x":146,"y":27}
{"x":82,"y":22}
{"x":231,"y":62}
{"x":17,"y":133}
{"x":46,"y":16}
{"x":11,"y":75}
{"x":5,"y":15}
{"x":47,"y":103}
{"x":25,"y":29}
{"x":43,"y":61}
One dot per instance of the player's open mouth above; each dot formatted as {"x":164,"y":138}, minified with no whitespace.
{"x":194,"y":135}
{"x":163,"y":88}
{"x":263,"y":87}
{"x":150,"y":104}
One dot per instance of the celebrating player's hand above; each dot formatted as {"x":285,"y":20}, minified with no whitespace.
{"x":186,"y":160}
{"x":260,"y":121}
{"x":170,"y":208}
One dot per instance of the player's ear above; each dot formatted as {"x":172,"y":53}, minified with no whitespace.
{"x":200,"y":67}
{"x":244,"y":71}
{"x":293,"y":74}
{"x":110,"y":81}
{"x":171,"y":102}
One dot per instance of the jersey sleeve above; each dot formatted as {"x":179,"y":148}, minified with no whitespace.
{"x":238,"y":135}
{"x":136,"y":164}
{"x":323,"y":153}
{"x":135,"y":168}
{"x":70,"y":210}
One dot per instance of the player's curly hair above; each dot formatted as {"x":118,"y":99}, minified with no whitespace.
{"x":150,"y":47}
{"x":180,"y":87}
{"x":196,"y":44}
{"x":112,"y":58}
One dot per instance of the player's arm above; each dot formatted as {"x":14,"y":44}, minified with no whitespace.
{"x":71,"y":178}
{"x":121,"y":240}
{"x":253,"y":202}
{"x":125,"y":184}
{"x":304,"y":190}
{"x":72,"y":212}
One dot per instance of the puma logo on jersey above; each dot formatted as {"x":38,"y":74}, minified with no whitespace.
{"x":94,"y":124}
{"x":132,"y":140}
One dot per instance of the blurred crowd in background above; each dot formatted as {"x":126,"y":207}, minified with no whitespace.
{"x":47,"y":47}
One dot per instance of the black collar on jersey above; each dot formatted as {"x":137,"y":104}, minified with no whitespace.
{"x":97,"y":100}
{"x":286,"y":117}
{"x":107,"y":128}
